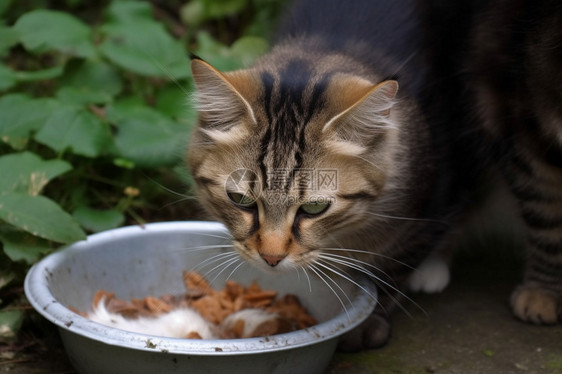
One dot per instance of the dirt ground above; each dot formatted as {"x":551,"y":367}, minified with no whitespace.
{"x":466,"y":329}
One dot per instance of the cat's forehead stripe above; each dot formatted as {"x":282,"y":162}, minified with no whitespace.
{"x":291,"y":97}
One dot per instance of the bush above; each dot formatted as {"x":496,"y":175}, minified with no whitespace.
{"x":94,"y":116}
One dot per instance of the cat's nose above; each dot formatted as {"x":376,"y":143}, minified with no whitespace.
{"x":272,"y":260}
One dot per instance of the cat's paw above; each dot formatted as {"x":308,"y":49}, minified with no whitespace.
{"x":534,"y":304}
{"x":373,"y":333}
{"x":431,"y":276}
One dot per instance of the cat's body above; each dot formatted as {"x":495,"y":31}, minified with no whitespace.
{"x":325,"y":101}
{"x":515,"y":73}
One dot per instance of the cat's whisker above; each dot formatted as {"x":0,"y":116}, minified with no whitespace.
{"x":213,"y":259}
{"x":385,"y":216}
{"x":167,"y":71}
{"x":344,"y":275}
{"x":226,"y":236}
{"x":319,"y":274}
{"x":167,"y":189}
{"x":187,"y":198}
{"x":307,"y":277}
{"x":242,"y":263}
{"x":359,"y":263}
{"x":349,"y":278}
{"x":403,"y":64}
{"x":205,"y":247}
{"x":226,"y":264}
{"x":368,"y":253}
{"x":298,"y":274}
{"x":359,"y":268}
{"x":368,"y":162}
{"x":377,"y":280}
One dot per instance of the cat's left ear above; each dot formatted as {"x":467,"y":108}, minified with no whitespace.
{"x":362,"y":110}
{"x":220,"y":97}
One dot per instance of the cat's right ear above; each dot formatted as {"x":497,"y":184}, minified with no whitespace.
{"x":363,"y":109}
{"x":220,"y":98}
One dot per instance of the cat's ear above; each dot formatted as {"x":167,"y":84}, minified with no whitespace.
{"x":362,"y":111}
{"x":220,"y":99}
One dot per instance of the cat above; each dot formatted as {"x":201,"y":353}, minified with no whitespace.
{"x":354,"y":144}
{"x":515,"y":75}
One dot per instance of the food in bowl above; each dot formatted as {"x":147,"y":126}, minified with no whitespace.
{"x":203,"y":312}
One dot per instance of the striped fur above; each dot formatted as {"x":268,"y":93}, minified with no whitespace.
{"x":312,"y":113}
{"x":402,"y":102}
{"x":517,"y":88}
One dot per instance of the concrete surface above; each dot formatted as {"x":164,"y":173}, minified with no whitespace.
{"x":466,"y":329}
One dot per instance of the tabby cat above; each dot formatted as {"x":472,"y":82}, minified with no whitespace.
{"x":353,"y":144}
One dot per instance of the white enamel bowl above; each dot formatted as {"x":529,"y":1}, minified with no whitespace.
{"x":135,"y":262}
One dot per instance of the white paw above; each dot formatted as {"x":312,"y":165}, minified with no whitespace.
{"x":431,"y":276}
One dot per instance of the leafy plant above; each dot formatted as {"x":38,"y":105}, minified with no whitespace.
{"x":95,"y":117}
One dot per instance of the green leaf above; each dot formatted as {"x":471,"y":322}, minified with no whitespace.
{"x":10,"y":323}
{"x":224,"y":8}
{"x":6,"y":277}
{"x":38,"y":75}
{"x":43,"y":30}
{"x":197,"y":11}
{"x":27,"y":172}
{"x":139,"y":44}
{"x":98,"y":220}
{"x":20,"y":246}
{"x":77,"y":129}
{"x":184,"y":175}
{"x":132,"y":107}
{"x":173,"y":101}
{"x":39,"y":216}
{"x":147,"y":137}
{"x":215,"y":53}
{"x":8,"y":38}
{"x":20,"y":115}
{"x":193,"y":14}
{"x":4,"y":6}
{"x":7,"y":78}
{"x":248,"y":48}
{"x":124,"y":163}
{"x":90,"y":82}
{"x":73,"y":95}
{"x":129,"y":11}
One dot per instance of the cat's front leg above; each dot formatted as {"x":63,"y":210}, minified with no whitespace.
{"x":533,"y":303}
{"x":374,"y":332}
{"x":539,"y":298}
{"x":537,"y":183}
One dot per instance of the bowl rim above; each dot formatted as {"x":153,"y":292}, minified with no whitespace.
{"x":43,"y":301}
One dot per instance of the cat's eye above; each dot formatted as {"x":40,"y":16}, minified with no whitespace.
{"x":314,"y":208}
{"x":242,"y":200}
